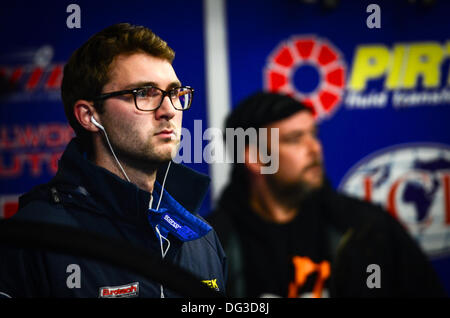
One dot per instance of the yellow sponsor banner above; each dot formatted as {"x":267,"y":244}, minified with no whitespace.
{"x":402,"y":65}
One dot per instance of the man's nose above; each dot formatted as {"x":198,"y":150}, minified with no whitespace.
{"x":315,"y":145}
{"x":166,"y":110}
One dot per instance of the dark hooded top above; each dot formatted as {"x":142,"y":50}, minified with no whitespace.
{"x":359,"y":249}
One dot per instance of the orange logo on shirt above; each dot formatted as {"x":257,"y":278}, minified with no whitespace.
{"x":304,"y":267}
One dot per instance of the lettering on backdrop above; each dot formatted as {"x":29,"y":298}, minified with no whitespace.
{"x":74,"y":19}
{"x":374,"y":19}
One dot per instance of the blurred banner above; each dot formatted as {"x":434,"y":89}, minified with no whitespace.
{"x":376,"y":74}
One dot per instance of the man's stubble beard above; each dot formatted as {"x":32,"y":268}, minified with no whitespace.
{"x":142,"y":154}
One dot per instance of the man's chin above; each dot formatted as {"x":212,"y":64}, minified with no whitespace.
{"x":162,"y":157}
{"x":314,"y":178}
{"x":165,"y":152}
{"x":315,"y":183}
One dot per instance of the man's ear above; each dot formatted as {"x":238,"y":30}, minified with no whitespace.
{"x":83,"y":110}
{"x":251,"y":159}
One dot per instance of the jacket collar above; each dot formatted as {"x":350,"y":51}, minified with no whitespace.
{"x":185,"y":185}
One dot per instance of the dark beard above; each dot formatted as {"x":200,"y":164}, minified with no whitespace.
{"x":291,"y":195}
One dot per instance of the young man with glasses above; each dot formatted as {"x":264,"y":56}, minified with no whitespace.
{"x":125,"y":102}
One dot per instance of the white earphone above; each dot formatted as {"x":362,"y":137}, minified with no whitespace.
{"x":96,"y":123}
{"x":120,"y":166}
{"x":110,"y":147}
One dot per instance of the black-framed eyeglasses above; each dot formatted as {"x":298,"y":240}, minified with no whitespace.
{"x":149,"y":98}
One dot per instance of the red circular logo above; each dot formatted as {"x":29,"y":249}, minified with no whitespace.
{"x":309,"y":69}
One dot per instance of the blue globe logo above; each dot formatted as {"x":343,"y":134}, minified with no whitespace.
{"x":412,"y":182}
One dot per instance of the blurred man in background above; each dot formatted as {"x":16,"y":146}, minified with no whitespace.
{"x":289,"y":234}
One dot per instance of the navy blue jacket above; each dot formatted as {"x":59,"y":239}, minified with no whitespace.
{"x":91,"y":198}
